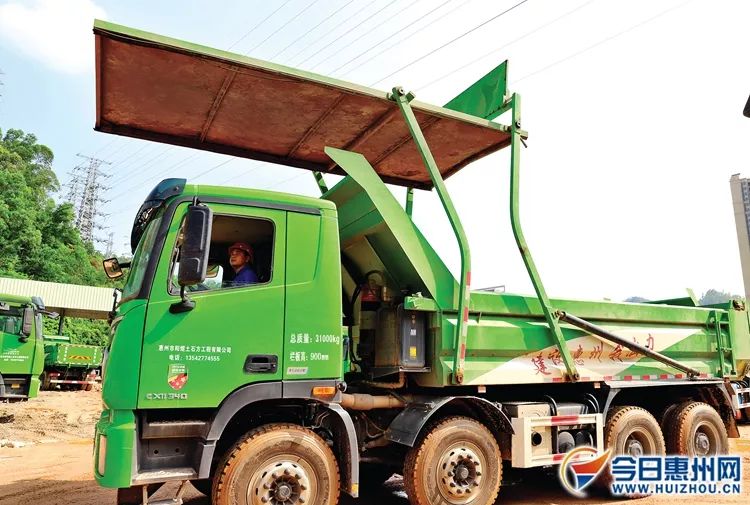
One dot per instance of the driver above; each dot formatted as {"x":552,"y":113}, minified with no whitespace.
{"x":240,"y":258}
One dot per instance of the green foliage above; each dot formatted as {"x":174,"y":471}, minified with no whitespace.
{"x":80,"y":331}
{"x":38,"y":238}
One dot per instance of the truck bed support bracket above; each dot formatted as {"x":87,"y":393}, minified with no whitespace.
{"x":403,"y":100}
{"x":516,"y":137}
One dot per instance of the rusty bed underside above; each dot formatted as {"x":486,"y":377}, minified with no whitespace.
{"x":166,"y":90}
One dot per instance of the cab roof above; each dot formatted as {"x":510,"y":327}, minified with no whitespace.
{"x":167,"y":90}
{"x":271,"y":197}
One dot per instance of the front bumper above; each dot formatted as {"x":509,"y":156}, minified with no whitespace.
{"x":114,"y":442}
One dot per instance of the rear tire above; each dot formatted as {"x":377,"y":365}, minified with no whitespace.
{"x":283,"y":463}
{"x":45,"y":382}
{"x":630,"y":431}
{"x":457,"y":463}
{"x":633,"y":431}
{"x":697,"y":431}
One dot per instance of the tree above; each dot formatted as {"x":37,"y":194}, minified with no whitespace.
{"x":38,"y":239}
{"x":714,"y":297}
{"x":636,"y":299}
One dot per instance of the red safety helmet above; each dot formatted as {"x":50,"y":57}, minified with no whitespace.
{"x":242,"y":246}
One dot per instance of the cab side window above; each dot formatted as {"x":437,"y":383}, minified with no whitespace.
{"x":241,"y":254}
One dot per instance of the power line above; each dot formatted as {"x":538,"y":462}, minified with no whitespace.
{"x":111,"y":141}
{"x":311,"y":44}
{"x":390,"y":37}
{"x":141,"y":183}
{"x":494,"y":51}
{"x":356,"y":26}
{"x":257,"y":25}
{"x":367,"y":32}
{"x":480,"y":25}
{"x":311,"y":29}
{"x":129,"y":160}
{"x":256,"y":46}
{"x":603,"y":41}
{"x":251,"y":169}
{"x":404,"y":39}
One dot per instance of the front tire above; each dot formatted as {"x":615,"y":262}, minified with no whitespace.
{"x":277,"y":464}
{"x":457,"y":463}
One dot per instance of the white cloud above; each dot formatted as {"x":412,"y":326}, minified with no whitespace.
{"x":56,"y":33}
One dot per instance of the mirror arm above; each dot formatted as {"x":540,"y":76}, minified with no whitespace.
{"x":184,"y":305}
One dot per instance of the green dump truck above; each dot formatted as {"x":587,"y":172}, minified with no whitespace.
{"x":71,"y":366}
{"x":352,"y":351}
{"x":21,"y":347}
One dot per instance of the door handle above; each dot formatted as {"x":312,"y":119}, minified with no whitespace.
{"x":261,"y":363}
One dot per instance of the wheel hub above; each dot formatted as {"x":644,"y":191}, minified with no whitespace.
{"x":634,"y":447}
{"x":702,"y":444}
{"x":280,"y":483}
{"x":460,"y":474}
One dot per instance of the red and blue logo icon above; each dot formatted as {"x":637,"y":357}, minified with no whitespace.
{"x":580,"y":468}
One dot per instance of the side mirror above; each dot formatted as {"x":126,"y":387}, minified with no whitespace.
{"x":27,"y":323}
{"x":746,"y":110}
{"x":193,"y":254}
{"x":195,"y":246}
{"x":112,"y":268}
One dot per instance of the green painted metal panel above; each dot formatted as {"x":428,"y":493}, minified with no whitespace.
{"x":123,"y":366}
{"x":73,"y":355}
{"x":508,"y":341}
{"x":370,"y":214}
{"x":485,"y":97}
{"x":118,"y":426}
{"x":19,"y":354}
{"x":313,"y":337}
{"x":196,"y":358}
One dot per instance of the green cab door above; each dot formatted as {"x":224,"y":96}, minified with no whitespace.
{"x":234,"y":334}
{"x":17,"y":351}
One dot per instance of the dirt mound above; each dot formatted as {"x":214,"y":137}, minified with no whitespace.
{"x":52,"y":416}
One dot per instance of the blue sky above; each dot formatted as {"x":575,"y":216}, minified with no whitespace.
{"x":633,"y":108}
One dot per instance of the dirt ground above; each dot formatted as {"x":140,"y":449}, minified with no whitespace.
{"x":53,"y":465}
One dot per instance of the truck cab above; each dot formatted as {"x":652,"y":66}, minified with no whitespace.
{"x":21,"y":347}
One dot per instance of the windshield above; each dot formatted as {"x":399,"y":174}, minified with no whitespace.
{"x":11,"y":320}
{"x":140,"y":260}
